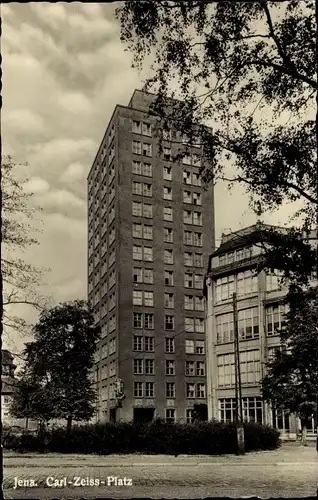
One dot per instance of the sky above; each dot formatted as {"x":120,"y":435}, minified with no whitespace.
{"x":64,"y":71}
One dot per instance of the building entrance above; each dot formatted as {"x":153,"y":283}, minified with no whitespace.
{"x":143,"y":415}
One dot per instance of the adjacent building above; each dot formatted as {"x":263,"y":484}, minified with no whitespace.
{"x":260,"y":317}
{"x":150,"y":233}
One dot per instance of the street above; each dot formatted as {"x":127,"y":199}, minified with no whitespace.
{"x":291,"y":471}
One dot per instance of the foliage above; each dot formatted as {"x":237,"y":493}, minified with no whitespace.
{"x":20,"y":279}
{"x":292,"y":379}
{"x":239,"y":79}
{"x":157,"y":437}
{"x":58,"y":364}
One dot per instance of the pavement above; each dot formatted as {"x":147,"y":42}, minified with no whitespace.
{"x":291,"y":471}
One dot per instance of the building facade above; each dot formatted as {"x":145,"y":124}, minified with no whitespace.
{"x":260,"y":317}
{"x":150,"y":233}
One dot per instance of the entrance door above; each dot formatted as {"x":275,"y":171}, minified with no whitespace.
{"x":143,"y":415}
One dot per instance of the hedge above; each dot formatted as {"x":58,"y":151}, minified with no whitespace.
{"x":157,"y":437}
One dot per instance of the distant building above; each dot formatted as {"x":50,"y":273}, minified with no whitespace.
{"x":7,"y":377}
{"x":260,"y":316}
{"x":150,"y":232}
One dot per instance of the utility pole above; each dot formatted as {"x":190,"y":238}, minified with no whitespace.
{"x":238,"y":385}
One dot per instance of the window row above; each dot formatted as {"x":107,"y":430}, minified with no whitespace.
{"x":192,"y":303}
{"x":141,"y":128}
{"x":143,"y":298}
{"x":143,"y":253}
{"x":193,"y":259}
{"x":142,"y":188}
{"x":243,"y":283}
{"x":252,"y":410}
{"x":194,"y":325}
{"x":147,"y":389}
{"x":194,"y":218}
{"x":195,"y":347}
{"x":193,"y":281}
{"x":192,"y":198}
{"x":142,"y":168}
{"x":108,"y":371}
{"x":147,"y":367}
{"x":142,"y":231}
{"x":248,"y":325}
{"x":249,"y":365}
{"x":142,"y":210}
{"x":193,"y":238}
{"x":142,"y":148}
{"x":192,"y":159}
{"x":236,"y":255}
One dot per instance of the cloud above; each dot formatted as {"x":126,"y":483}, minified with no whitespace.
{"x":75,"y":102}
{"x":36,"y":185}
{"x":74,"y":172}
{"x":24,"y":122}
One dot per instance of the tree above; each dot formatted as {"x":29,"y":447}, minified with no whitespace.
{"x":20,"y":279}
{"x":246,"y":69}
{"x":292,"y":379}
{"x":58,"y":364}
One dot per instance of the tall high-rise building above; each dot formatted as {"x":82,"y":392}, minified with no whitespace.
{"x":150,"y":232}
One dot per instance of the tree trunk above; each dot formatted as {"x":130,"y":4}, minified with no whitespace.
{"x":304,"y":435}
{"x":69,"y":425}
{"x":27,"y":423}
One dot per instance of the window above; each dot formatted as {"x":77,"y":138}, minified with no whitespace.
{"x":138,"y":366}
{"x":169,"y":300}
{"x":136,"y":127}
{"x":147,"y":169}
{"x":148,"y":254}
{"x":168,"y":235}
{"x":189,"y":346}
{"x":169,"y":278}
{"x":148,"y":232}
{"x":198,"y":260}
{"x":248,"y":323}
{"x":200,"y":391}
{"x":137,"y":298}
{"x":188,"y":280}
{"x":148,"y":276}
{"x":224,"y":288}
{"x":189,"y":415}
{"x":224,"y":325}
{"x":149,"y":344}
{"x":247,"y":283}
{"x":136,"y":167}
{"x":200,"y":369}
{"x":188,"y":259}
{"x":167,"y":193}
{"x":197,"y":218}
{"x":190,"y":391}
{"x":186,"y":160}
{"x":137,"y":230}
{"x":274,"y":282}
{"x":167,"y":154}
{"x":167,"y":173}
{"x":198,"y":281}
{"x":137,"y":320}
{"x":168,"y":256}
{"x":252,"y":409}
{"x":137,"y":275}
{"x":168,"y":214}
{"x":197,"y":239}
{"x":170,"y":415}
{"x":169,"y":322}
{"x":137,"y":188}
{"x":137,"y":252}
{"x":170,"y":390}
{"x":147,"y":211}
{"x":146,"y":129}
{"x":190,"y":368}
{"x":189,"y":324}
{"x":147,"y":189}
{"x":196,"y":179}
{"x":149,"y":366}
{"x":150,"y":390}
{"x":187,"y":217}
{"x":188,"y":302}
{"x":147,"y":149}
{"x":138,"y":343}
{"x":275,"y":318}
{"x":187,"y":197}
{"x":138,"y":389}
{"x":149,"y":321}
{"x":187,"y":238}
{"x":136,"y":147}
{"x":148,"y":299}
{"x":186,"y":177}
{"x":169,"y":345}
{"x":137,"y":209}
{"x":199,"y":303}
{"x":170,"y":367}
{"x":249,"y":364}
{"x":166,"y":135}
{"x":200,"y":347}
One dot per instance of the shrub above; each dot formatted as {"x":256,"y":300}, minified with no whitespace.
{"x":157,"y":437}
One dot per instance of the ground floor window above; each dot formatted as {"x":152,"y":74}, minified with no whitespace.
{"x":252,"y":409}
{"x":170,"y":415}
{"x":189,"y":415}
{"x":280,"y":420}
